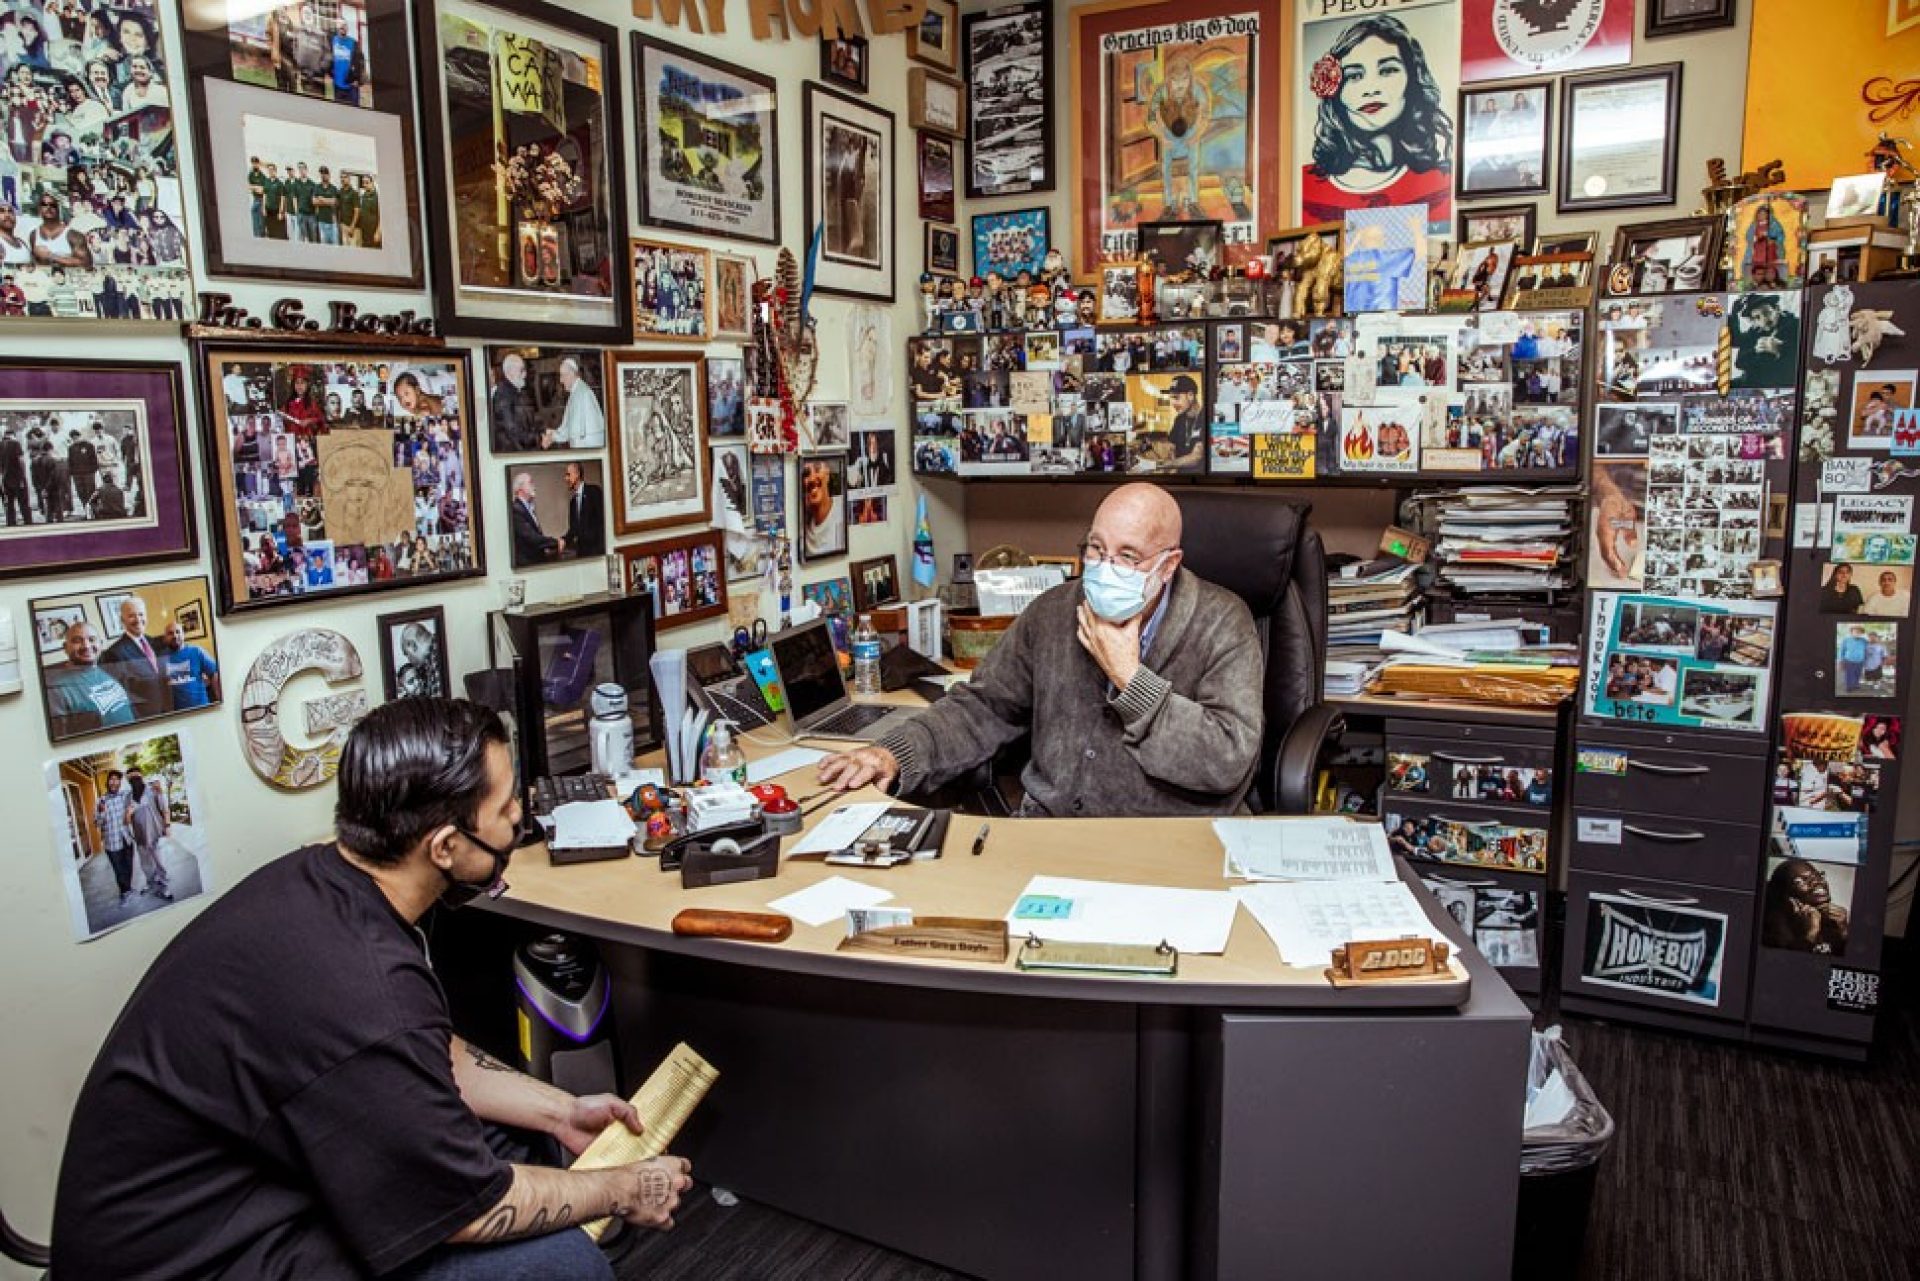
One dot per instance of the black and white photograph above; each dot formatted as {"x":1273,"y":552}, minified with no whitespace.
{"x":826,"y":425}
{"x":541,"y":398}
{"x":128,"y":829}
{"x":1678,"y":255}
{"x":1506,"y":925}
{"x":823,"y":507}
{"x":557,"y":511}
{"x":849,"y":191}
{"x":74,"y":467}
{"x":659,"y":440}
{"x":1119,"y":293}
{"x":1625,"y":430}
{"x":1009,"y":62}
{"x":413,"y":654}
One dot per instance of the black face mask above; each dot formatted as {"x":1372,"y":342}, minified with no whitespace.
{"x":459,"y":893}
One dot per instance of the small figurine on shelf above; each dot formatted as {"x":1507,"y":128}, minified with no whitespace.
{"x":1053,"y":268}
{"x":1039,"y":306}
{"x":977,"y":300}
{"x":996,"y":317}
{"x":1889,"y":156}
{"x":930,"y":301}
{"x":1316,"y":269}
{"x":1066,"y":308}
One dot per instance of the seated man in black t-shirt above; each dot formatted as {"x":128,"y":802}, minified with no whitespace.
{"x":284,"y":1095}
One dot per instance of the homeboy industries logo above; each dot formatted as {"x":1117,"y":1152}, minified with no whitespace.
{"x":1545,"y":32}
{"x":1635,"y":954}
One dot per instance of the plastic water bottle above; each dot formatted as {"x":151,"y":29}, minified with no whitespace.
{"x":723,"y":761}
{"x":866,"y":657}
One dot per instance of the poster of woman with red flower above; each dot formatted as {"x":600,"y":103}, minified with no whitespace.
{"x":1373,"y":120}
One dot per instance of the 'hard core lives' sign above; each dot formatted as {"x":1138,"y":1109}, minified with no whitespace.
{"x":796,"y":19}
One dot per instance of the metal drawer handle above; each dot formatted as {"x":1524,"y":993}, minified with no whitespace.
{"x":1468,"y":822}
{"x":1468,"y":760}
{"x":1464,"y":885}
{"x":1652,"y":835}
{"x":1643,"y":897}
{"x":1668,"y":769}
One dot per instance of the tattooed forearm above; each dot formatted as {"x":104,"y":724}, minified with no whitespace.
{"x":538,"y":1202}
{"x":486,"y":1062}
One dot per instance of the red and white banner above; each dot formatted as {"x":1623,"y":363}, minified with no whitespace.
{"x":1504,"y":39}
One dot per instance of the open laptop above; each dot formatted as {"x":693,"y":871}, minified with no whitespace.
{"x":816,"y":692}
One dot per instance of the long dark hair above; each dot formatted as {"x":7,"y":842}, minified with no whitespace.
{"x":1422,"y":136}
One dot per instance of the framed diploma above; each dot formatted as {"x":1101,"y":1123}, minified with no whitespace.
{"x":1619,"y":139}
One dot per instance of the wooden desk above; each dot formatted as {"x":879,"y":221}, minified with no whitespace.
{"x":1020,"y":1125}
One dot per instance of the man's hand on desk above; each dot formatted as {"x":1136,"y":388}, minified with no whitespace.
{"x":1114,"y":646}
{"x":650,"y":1191}
{"x":845,"y":771}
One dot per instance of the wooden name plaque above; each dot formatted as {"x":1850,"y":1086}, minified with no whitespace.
{"x":947,"y":938}
{"x":1375,"y":960}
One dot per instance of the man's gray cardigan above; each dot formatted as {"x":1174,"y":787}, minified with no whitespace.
{"x":1182,"y":738}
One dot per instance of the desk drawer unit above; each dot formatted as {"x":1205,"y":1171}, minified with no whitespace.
{"x":1666,"y":848}
{"x":1463,"y":835}
{"x":1430,"y":767}
{"x":1686,"y":949}
{"x":1628,"y":773}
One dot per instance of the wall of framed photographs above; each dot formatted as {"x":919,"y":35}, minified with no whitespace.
{"x":164,"y":536}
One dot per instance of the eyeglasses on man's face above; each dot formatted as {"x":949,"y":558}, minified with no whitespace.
{"x":1093,"y":552}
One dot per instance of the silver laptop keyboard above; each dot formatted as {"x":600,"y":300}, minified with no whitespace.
{"x":853,"y":719}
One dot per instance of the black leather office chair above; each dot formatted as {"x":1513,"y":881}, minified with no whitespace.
{"x":1263,"y":549}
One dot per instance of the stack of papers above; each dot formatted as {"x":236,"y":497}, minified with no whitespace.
{"x":1319,"y":883}
{"x":1507,"y":663}
{"x":1304,"y":849}
{"x":1365,"y":603}
{"x":590,"y":825}
{"x":1504,"y":542}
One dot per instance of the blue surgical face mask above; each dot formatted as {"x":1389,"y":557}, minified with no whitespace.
{"x":1115,"y":592}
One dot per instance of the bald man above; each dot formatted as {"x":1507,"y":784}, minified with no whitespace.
{"x":1139,"y":685}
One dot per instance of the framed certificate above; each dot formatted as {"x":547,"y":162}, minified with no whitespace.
{"x":1619,"y":139}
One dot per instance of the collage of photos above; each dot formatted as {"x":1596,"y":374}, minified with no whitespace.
{"x":1505,"y":924}
{"x":749,"y":506}
{"x":128,"y":824}
{"x":1277,"y":395}
{"x":1680,"y":662}
{"x":1684,"y":473}
{"x":1419,"y":774}
{"x":1827,"y":783}
{"x":341,"y":474}
{"x":92,"y":223}
{"x":1492,"y":392}
{"x":684,"y":576}
{"x":1433,"y":839}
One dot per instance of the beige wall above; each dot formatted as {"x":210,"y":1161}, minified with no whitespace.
{"x":60,"y":997}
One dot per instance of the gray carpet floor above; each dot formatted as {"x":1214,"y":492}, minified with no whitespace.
{"x":1729,"y":1164}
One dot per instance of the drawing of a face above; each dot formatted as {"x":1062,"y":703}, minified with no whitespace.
{"x":356,"y":482}
{"x":1373,"y":86}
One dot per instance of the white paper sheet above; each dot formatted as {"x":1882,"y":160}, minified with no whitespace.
{"x":1194,"y":921}
{"x":829,"y":900}
{"x":590,"y":825}
{"x":1308,"y":919}
{"x":839,"y":829}
{"x":779,"y":763}
{"x":1304,"y":849}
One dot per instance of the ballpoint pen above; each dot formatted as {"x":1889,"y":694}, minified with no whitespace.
{"x":980,"y":840}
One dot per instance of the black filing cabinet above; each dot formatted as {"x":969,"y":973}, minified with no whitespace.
{"x":1665,"y":853}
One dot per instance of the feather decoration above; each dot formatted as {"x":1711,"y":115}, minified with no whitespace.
{"x":813,"y":266}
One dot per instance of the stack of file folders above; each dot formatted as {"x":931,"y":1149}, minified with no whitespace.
{"x":1365,"y":601}
{"x":1504,"y":663}
{"x":1504,"y":542}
